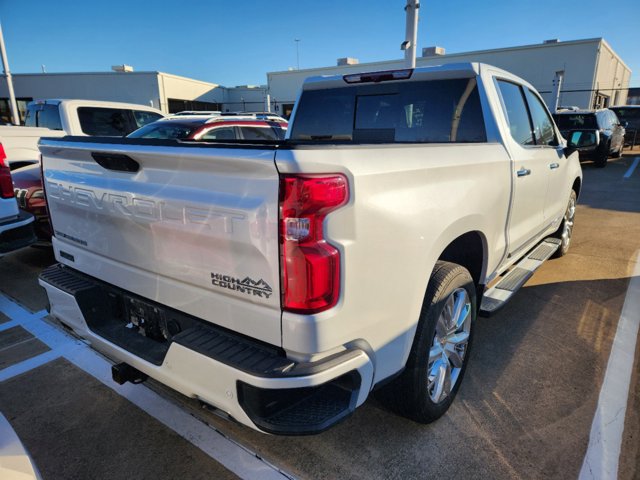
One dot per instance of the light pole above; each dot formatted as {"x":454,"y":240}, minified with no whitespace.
{"x":411,"y":34}
{"x":297,"y":40}
{"x":12,"y":96}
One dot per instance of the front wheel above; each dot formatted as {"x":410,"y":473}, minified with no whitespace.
{"x":603,"y":157}
{"x":441,"y":346}
{"x":565,"y":231}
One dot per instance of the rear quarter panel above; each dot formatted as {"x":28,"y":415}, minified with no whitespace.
{"x":407,"y":203}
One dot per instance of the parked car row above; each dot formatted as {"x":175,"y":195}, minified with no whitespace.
{"x":631,"y":115}
{"x":606,"y":126}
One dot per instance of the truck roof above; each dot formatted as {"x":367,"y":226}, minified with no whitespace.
{"x":450,"y":70}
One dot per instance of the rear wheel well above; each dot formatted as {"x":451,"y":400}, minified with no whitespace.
{"x":468,"y":251}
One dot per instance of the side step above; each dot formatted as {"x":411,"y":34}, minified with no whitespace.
{"x":499,"y":294}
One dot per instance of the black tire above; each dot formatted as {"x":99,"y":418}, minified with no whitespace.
{"x":618,"y":153}
{"x":603,"y":157}
{"x":409,"y":394}
{"x":569,"y":216}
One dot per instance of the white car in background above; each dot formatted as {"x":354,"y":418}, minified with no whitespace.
{"x":57,"y":118}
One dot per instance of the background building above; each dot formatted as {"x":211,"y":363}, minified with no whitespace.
{"x":594,"y":75}
{"x":167,"y":92}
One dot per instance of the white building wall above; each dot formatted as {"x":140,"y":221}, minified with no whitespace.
{"x":135,"y":87}
{"x":535,"y":63}
{"x":183,"y":88}
{"x":246,"y":99}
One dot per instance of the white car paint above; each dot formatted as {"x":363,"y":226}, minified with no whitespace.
{"x":21,"y":143}
{"x":406,"y":204}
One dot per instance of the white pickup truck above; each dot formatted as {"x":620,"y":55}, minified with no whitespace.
{"x":281,"y":283}
{"x":57,"y":118}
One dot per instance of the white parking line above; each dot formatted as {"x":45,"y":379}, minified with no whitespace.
{"x":605,"y":440}
{"x":212,"y":442}
{"x":632,"y":168}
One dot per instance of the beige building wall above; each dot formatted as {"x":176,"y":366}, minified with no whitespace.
{"x":133,"y":87}
{"x":537,"y":64}
{"x":612,"y":77}
{"x":183,"y":88}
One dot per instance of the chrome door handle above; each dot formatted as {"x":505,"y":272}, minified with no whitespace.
{"x":554,"y":166}
{"x":523,"y":172}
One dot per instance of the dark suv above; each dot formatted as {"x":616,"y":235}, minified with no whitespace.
{"x":629,"y":116}
{"x":609,"y":132}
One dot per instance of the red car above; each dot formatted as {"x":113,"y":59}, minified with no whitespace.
{"x":27,"y":181}
{"x":212,"y":128}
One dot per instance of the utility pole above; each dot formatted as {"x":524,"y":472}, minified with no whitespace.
{"x":297,"y":40}
{"x":7,"y":73}
{"x":411,"y":35}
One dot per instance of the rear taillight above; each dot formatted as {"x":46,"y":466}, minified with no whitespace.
{"x":6,"y":185}
{"x":310,"y":265}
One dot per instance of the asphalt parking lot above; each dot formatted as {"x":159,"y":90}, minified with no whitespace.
{"x":525,"y":409}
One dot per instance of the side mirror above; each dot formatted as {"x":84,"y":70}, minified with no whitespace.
{"x":581,"y":139}
{"x":625,"y":124}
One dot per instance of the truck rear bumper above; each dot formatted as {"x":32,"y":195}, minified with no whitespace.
{"x":16,"y":233}
{"x":254,"y":383}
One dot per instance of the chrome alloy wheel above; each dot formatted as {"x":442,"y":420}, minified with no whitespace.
{"x":569,"y":217}
{"x":449,"y":347}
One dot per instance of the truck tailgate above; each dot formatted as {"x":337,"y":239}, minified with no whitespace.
{"x":190,"y":226}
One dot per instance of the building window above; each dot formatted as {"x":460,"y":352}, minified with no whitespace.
{"x":5,"y":111}
{"x":600,"y":101}
{"x":287,"y":109}
{"x":177,"y":105}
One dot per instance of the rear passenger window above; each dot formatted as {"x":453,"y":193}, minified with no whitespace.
{"x":257,"y":133}
{"x":542,"y":123}
{"x":516,"y":112}
{"x":104,"y":122}
{"x":221,"y":133}
{"x":143,"y":117}
{"x":43,"y":115}
{"x":436,"y":111}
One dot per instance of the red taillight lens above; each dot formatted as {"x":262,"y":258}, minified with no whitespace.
{"x":6,"y":185}
{"x":310,"y":265}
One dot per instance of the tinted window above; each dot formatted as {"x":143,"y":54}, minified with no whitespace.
{"x":542,"y":123}
{"x":161,"y":130}
{"x":259,"y":133}
{"x":220,"y":133}
{"x":104,"y":122}
{"x":46,"y":116}
{"x":516,"y":112}
{"x":437,"y":111}
{"x":576,"y":121}
{"x":143,"y":118}
{"x":630,"y":115}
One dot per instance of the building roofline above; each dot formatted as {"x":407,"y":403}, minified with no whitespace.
{"x":460,"y":54}
{"x":41,"y":74}
{"x":145,"y":72}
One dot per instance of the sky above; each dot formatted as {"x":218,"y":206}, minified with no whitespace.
{"x":236,"y":42}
